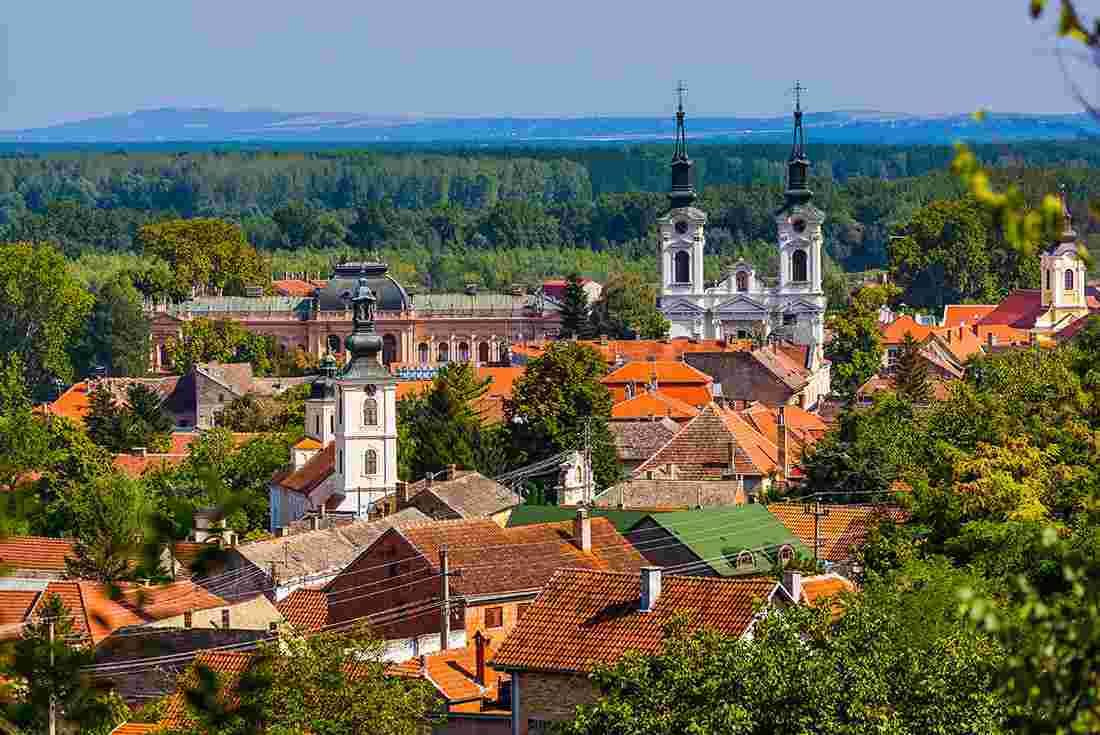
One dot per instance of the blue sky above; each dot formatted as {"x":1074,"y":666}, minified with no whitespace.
{"x":64,"y":60}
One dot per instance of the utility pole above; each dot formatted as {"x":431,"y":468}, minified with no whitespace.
{"x":53,"y":699}
{"x":819,"y":511}
{"x":445,"y":626}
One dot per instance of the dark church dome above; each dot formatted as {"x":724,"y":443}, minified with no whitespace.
{"x":336,"y":296}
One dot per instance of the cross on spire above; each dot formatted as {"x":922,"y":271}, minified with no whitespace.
{"x":681,"y":138}
{"x":797,"y":151}
{"x":797,"y":90}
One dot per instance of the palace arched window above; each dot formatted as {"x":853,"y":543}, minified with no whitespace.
{"x":443,"y":352}
{"x":745,"y":560}
{"x":742,"y":281}
{"x":1069,"y":279}
{"x":463,"y":352}
{"x":422,"y":352}
{"x":483,"y":352}
{"x":370,"y":412}
{"x":682,"y":261}
{"x":799,"y":269}
{"x":389,"y":349}
{"x":370,"y":462}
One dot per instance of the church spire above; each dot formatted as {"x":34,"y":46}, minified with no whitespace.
{"x":682,"y":193}
{"x":798,"y":165}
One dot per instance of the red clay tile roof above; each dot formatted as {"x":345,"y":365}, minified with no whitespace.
{"x":700,"y":450}
{"x":14,"y":606}
{"x":583,"y":618}
{"x":824,"y":586}
{"x":955,"y":315}
{"x":652,"y":404}
{"x":894,"y":332}
{"x":961,"y":342}
{"x":229,"y":665}
{"x":840,"y":532}
{"x":665,"y":372}
{"x":133,"y":465}
{"x":502,"y":379}
{"x":96,"y":615}
{"x":1070,"y":331}
{"x":35,"y":553}
{"x":307,"y":477}
{"x":76,"y":401}
{"x":1019,"y":309}
{"x":1004,"y":334}
{"x":135,"y":728}
{"x":306,"y":609}
{"x":293,"y":287}
{"x":496,"y":560}
{"x":453,"y":672}
{"x":411,"y":387}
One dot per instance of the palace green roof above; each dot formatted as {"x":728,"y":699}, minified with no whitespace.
{"x":525,"y":515}
{"x":719,"y":535}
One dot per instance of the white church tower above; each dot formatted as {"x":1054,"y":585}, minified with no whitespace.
{"x":366,"y":416}
{"x":744,"y":305}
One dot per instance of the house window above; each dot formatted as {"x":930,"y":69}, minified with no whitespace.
{"x":422,"y":352}
{"x":745,"y":560}
{"x":682,"y":261}
{"x":221,"y":396}
{"x":370,"y":462}
{"x":494,"y":617}
{"x":799,"y":269}
{"x":1069,"y":279}
{"x":370,"y":412}
{"x":742,"y":281}
{"x":443,"y":352}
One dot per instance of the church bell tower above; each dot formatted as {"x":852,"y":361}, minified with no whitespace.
{"x":682,"y":235}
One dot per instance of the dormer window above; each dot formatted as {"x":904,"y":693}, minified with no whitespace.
{"x":745,"y":560}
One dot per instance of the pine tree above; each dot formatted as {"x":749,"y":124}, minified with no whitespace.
{"x":574,"y":309}
{"x":911,"y":374}
{"x":104,"y":418}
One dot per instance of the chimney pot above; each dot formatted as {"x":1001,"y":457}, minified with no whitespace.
{"x":651,"y":588}
{"x":582,"y":530}
{"x":792,"y":582}
{"x":481,"y":641}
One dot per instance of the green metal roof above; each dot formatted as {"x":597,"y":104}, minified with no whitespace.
{"x":525,"y":515}
{"x":719,"y":535}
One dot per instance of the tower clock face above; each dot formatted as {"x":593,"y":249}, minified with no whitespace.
{"x":682,"y":226}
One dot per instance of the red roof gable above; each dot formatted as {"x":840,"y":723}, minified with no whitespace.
{"x":957,"y":315}
{"x":663,"y":370}
{"x":894,"y":332}
{"x":1019,"y":309}
{"x":700,"y":450}
{"x":652,"y":404}
{"x":35,"y":553}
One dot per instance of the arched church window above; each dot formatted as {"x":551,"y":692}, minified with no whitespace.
{"x":682,"y":262}
{"x":443,"y":352}
{"x":422,"y":352}
{"x":370,"y":412}
{"x":483,"y":352}
{"x":1069,"y":279}
{"x":742,"y":281}
{"x":370,"y":462}
{"x":799,"y":271}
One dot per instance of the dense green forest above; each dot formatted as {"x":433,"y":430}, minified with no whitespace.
{"x":497,"y":217}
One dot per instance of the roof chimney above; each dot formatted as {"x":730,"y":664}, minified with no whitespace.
{"x":651,"y":588}
{"x":792,"y":582}
{"x":481,"y":641}
{"x":582,"y":531}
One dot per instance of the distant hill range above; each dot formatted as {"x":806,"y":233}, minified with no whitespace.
{"x":205,"y":125}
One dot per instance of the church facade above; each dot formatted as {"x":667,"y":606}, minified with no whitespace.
{"x":744,"y":304}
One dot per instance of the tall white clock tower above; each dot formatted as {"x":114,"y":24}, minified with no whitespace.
{"x":366,"y":416}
